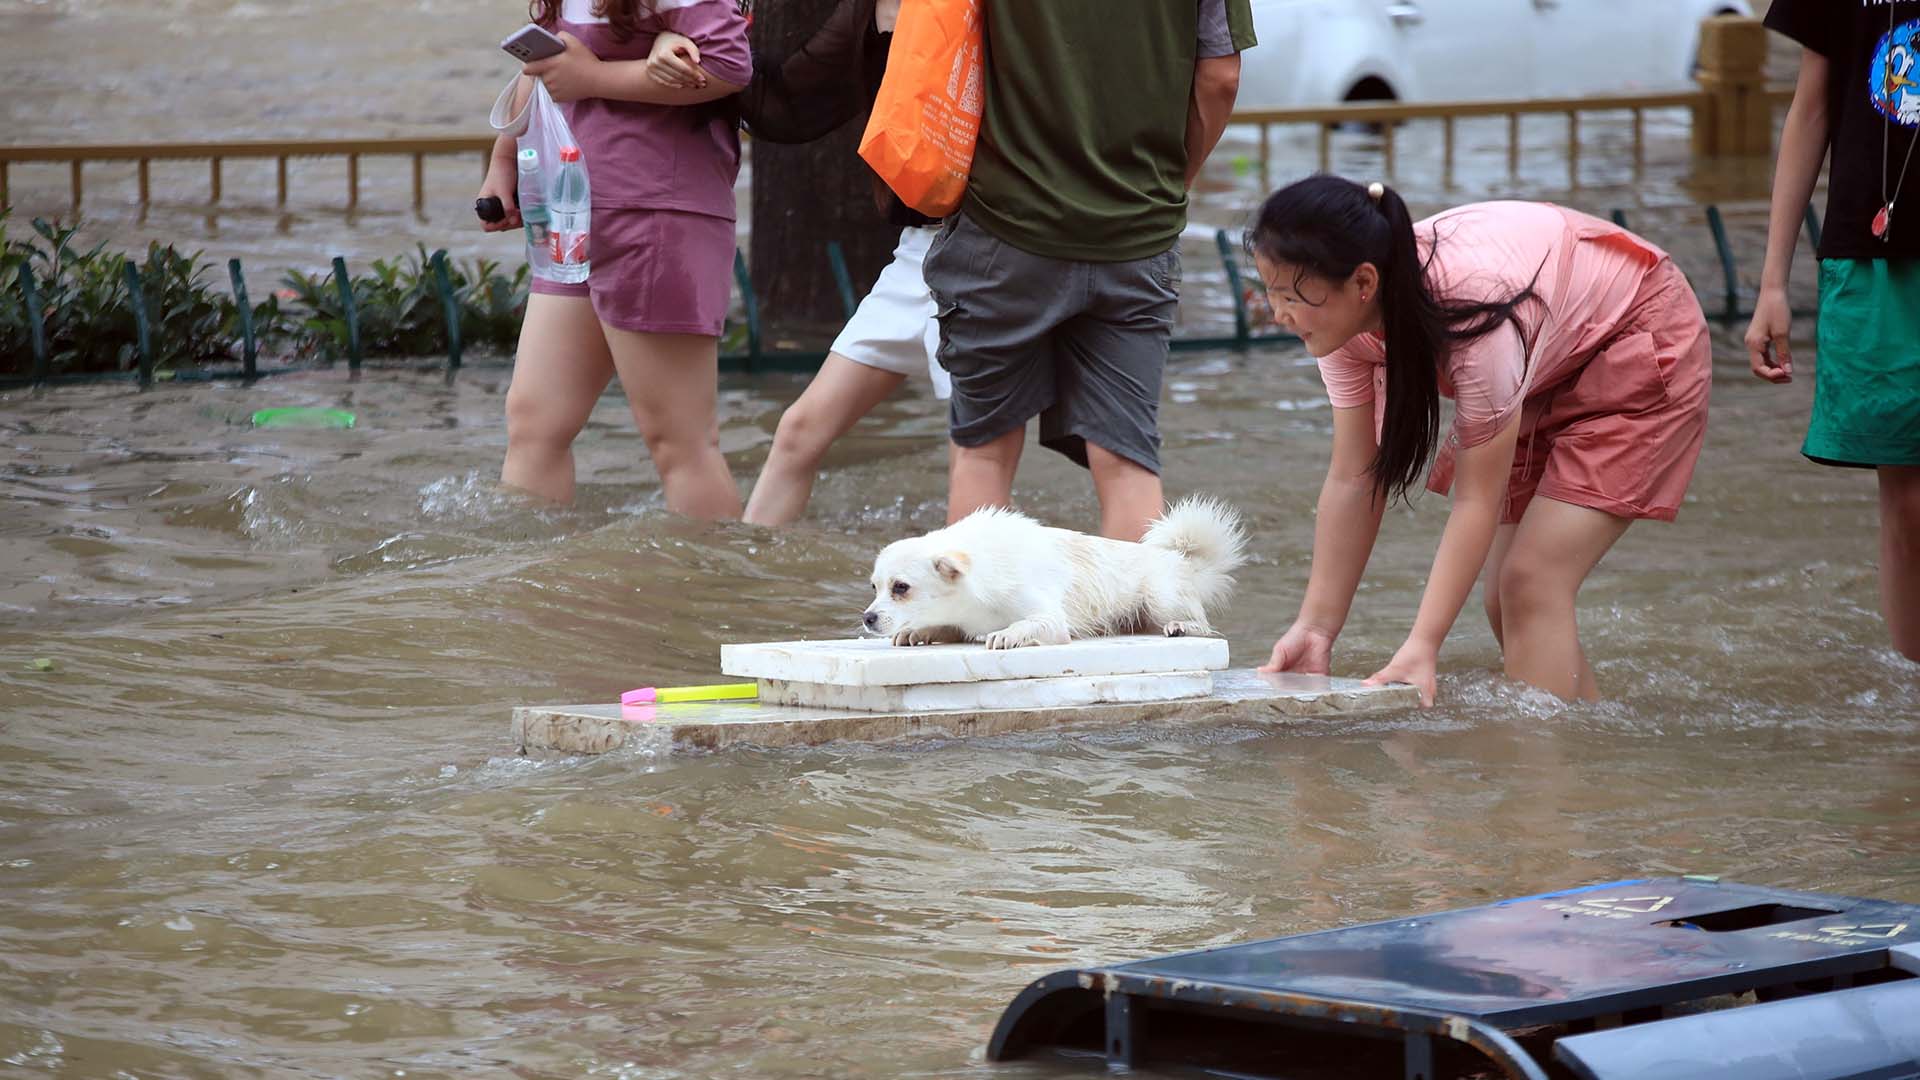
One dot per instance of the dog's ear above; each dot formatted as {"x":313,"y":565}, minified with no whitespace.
{"x":951,"y":565}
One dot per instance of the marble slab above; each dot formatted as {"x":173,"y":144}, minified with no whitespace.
{"x":1241,"y":694}
{"x":878,"y":662}
{"x":992,"y":694}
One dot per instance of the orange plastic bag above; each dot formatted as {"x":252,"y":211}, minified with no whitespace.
{"x":927,"y":116}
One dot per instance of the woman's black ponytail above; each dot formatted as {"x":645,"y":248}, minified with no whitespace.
{"x":1416,"y":329}
{"x":1326,"y":226}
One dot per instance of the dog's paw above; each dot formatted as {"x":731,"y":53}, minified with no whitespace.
{"x":927,"y":635}
{"x":1188,"y":629}
{"x":1008,"y":639}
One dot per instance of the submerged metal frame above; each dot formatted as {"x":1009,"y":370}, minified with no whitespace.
{"x":1441,"y":976}
{"x":1122,"y":1044}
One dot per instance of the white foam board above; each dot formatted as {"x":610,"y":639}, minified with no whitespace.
{"x":879,"y":662}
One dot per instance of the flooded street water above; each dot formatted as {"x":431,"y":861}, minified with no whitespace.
{"x":261,"y":815}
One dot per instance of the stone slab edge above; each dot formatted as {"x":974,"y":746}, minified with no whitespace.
{"x":1066,"y":692}
{"x":545,"y":730}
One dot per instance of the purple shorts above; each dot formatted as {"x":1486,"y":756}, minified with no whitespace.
{"x":657,"y":272}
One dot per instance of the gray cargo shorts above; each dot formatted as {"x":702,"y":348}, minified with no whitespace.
{"x":1081,"y":345}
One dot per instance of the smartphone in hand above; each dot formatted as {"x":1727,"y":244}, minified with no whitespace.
{"x":531,"y":42}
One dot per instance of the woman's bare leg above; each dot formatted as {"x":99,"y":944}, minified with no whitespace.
{"x":1555,"y":546}
{"x":840,"y":394}
{"x":671,"y":385}
{"x":1900,"y":556}
{"x":561,"y":368}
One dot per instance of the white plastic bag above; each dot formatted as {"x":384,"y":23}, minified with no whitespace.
{"x":555,"y":254}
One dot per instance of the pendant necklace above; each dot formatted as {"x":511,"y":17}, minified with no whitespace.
{"x":1883,"y":221}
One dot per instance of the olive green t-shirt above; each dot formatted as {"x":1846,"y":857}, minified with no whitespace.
{"x":1082,"y":150}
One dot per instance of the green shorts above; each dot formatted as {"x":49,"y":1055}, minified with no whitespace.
{"x":1866,"y":376}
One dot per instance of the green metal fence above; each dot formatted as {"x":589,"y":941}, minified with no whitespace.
{"x":754,"y":356}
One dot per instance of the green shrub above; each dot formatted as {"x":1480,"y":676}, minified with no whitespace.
{"x":491,"y":302}
{"x":90,"y":327}
{"x":88,"y":315}
{"x":399,"y":307}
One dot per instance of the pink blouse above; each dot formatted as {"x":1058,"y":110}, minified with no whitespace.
{"x":1588,"y":273}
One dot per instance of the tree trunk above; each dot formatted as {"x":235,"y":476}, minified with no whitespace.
{"x":803,"y":197}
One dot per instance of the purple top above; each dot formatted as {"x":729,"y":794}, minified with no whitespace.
{"x":662,"y":157}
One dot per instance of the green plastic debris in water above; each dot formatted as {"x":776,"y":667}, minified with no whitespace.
{"x":303,"y":416}
{"x":41,"y":663}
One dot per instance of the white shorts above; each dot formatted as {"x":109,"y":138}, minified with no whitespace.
{"x":893,"y":328}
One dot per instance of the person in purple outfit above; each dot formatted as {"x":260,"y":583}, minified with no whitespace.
{"x":663,"y":162}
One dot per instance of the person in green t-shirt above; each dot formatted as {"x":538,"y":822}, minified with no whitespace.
{"x":1056,"y":282}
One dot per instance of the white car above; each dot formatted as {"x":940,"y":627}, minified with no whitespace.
{"x":1315,"y":52}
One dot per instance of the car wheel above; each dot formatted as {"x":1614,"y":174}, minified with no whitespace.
{"x":1370,"y":88}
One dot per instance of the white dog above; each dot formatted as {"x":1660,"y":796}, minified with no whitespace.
{"x":1003,"y":578}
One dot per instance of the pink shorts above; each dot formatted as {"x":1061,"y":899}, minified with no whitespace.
{"x":657,"y":272}
{"x":1623,"y":434}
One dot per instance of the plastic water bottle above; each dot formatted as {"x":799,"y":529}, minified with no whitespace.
{"x":571,"y":207}
{"x":533,"y":212}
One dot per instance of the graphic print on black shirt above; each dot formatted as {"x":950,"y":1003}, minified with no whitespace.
{"x":1894,"y":87}
{"x":1894,"y":74}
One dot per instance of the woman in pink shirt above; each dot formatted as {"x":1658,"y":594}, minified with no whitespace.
{"x":1578,"y":361}
{"x":662,"y":162}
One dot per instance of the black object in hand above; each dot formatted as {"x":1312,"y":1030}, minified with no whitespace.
{"x":490,"y":209}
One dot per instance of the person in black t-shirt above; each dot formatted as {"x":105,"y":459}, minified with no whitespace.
{"x":1857,"y":104}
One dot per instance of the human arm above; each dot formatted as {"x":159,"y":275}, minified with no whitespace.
{"x":577,"y":73}
{"x":832,"y":61}
{"x":825,"y":83}
{"x":1216,"y":84}
{"x":503,"y":170}
{"x":825,"y":66}
{"x":674,"y":62}
{"x":1346,"y":522}
{"x":1479,"y":491}
{"x":1224,"y":29}
{"x":1803,"y":147}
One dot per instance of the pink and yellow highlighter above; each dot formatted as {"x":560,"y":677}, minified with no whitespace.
{"x":668,"y":695}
